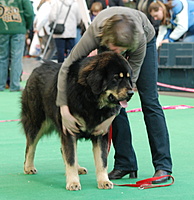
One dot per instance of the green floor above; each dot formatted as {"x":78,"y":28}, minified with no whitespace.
{"x":49,"y":183}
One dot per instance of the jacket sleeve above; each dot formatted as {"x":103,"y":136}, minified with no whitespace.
{"x":87,"y":43}
{"x":136,"y":59}
{"x":28,"y":13}
{"x":161,"y":33}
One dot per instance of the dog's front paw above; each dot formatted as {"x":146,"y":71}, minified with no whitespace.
{"x":82,"y":170}
{"x":30,"y":170}
{"x":105,"y":185}
{"x":73,"y":186}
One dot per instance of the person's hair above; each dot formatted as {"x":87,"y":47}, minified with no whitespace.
{"x":154,"y":6}
{"x":119,"y":30}
{"x":96,"y":7}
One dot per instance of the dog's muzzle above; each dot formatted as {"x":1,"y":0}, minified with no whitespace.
{"x":122,"y":101}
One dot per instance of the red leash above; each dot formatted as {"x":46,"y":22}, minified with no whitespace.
{"x":147,"y":183}
{"x":109,"y":137}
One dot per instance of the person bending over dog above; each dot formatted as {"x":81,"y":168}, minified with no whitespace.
{"x":128,"y":32}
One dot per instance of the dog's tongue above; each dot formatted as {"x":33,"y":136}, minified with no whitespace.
{"x":123,"y":103}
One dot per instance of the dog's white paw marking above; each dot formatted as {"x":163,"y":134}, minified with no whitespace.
{"x":74,"y":186}
{"x":82,"y":170}
{"x":105,"y":185}
{"x":30,"y":170}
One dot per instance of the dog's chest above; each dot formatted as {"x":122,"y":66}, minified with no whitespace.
{"x":94,"y":118}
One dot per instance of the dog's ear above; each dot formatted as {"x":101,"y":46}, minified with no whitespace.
{"x":96,"y":81}
{"x":93,"y":76}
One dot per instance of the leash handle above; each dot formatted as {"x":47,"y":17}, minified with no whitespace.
{"x":147,"y":183}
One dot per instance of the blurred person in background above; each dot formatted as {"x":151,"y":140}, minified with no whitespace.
{"x":95,"y":9}
{"x":65,"y":41}
{"x":107,"y":3}
{"x":41,"y":26}
{"x":177,"y":20}
{"x":16,"y":17}
{"x":143,"y":5}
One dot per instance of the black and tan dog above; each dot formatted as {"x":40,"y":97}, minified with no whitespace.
{"x":97,"y":87}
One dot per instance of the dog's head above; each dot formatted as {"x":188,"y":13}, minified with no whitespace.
{"x":108,"y":75}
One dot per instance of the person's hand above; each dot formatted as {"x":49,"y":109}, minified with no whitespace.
{"x":93,"y":53}
{"x":102,"y":128}
{"x":68,"y":121}
{"x":164,"y":41}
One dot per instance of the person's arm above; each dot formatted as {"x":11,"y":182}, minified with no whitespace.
{"x":181,"y":19}
{"x":136,"y":59}
{"x":28,"y":14}
{"x":161,"y":34}
{"x":87,"y":43}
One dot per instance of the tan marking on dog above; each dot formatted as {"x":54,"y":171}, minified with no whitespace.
{"x":103,"y":100}
{"x":29,"y":167}
{"x":82,"y":122}
{"x":128,"y":75}
{"x":82,"y":170}
{"x":29,"y":157}
{"x":101,"y":172}
{"x":72,"y":178}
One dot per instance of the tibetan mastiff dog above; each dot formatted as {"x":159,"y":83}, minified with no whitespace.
{"x":97,"y":87}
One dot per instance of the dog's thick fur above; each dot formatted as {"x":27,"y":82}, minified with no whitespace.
{"x":95,"y":86}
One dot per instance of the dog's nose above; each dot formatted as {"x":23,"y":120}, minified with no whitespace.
{"x":130,"y":93}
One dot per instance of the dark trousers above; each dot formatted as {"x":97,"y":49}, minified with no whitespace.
{"x":125,"y":157}
{"x":64,"y":46}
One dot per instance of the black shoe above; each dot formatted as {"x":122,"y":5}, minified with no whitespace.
{"x":161,"y":173}
{"x":118,"y":174}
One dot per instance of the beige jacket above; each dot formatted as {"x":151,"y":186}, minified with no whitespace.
{"x":91,"y":41}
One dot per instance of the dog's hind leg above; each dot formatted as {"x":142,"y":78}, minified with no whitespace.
{"x":29,"y":157}
{"x":31,"y":144}
{"x":100,"y":151}
{"x":69,"y":153}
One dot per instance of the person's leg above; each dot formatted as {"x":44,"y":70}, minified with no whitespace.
{"x":17,"y":51}
{"x":125,"y":158}
{"x":60,"y":45}
{"x":69,"y":44}
{"x":152,"y":110}
{"x":4,"y":59}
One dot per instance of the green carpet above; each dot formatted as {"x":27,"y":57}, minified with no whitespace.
{"x":49,"y":183}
